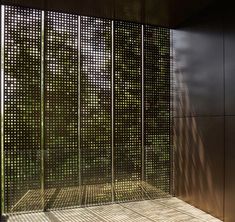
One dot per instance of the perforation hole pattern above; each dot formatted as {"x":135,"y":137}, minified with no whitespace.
{"x":87,"y":143}
{"x":157,"y":107}
{"x":61,"y":104}
{"x":22,"y":59}
{"x":127,"y":106}
{"x":96,"y":105}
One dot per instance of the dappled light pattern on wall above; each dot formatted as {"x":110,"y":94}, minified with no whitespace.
{"x":198,"y":138}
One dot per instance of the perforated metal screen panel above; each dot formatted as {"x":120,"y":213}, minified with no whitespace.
{"x":95,"y":104}
{"x":157,"y":107}
{"x":85,"y":110}
{"x":61,"y":109}
{"x":22,"y":70}
{"x":127,"y":106}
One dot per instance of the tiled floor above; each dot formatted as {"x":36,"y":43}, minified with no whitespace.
{"x":163,"y":210}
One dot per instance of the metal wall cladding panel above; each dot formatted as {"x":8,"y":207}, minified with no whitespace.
{"x":38,"y":4}
{"x":180,"y":12}
{"x":229,"y":44}
{"x":166,"y":13}
{"x":131,"y":10}
{"x":199,"y":162}
{"x":96,"y":115}
{"x":156,"y":12}
{"x":101,"y":8}
{"x":22,"y":71}
{"x":198,"y":68}
{"x":229,"y":214}
{"x":157,"y":107}
{"x":127,"y":115}
{"x":229,"y":19}
{"x":61,"y":110}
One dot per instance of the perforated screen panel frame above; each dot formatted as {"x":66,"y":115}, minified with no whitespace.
{"x":94,"y":96}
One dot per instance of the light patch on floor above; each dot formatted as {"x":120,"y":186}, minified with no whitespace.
{"x":161,"y":210}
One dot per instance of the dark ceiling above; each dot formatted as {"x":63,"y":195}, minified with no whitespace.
{"x":168,"y":13}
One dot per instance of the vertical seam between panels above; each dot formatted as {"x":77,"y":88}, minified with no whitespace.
{"x":79,"y":108}
{"x":43,"y":109}
{"x":2,"y":110}
{"x":143,"y":104}
{"x":224,"y":79}
{"x":112,"y":107}
{"x":172,"y":159}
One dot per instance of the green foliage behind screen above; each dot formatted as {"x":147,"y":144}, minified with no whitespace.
{"x":86,"y":110}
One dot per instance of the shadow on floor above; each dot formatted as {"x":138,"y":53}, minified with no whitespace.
{"x":160,"y":210}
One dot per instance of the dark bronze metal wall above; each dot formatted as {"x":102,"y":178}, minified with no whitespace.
{"x":204,"y":123}
{"x":229,"y":42}
{"x":198,"y":86}
{"x":167,"y":13}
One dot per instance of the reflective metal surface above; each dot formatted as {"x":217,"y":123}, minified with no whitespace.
{"x":198,"y":83}
{"x":229,"y":167}
{"x":203,"y":88}
{"x":199,"y":162}
{"x":229,"y":21}
{"x":229,"y":58}
{"x":198,"y":68}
